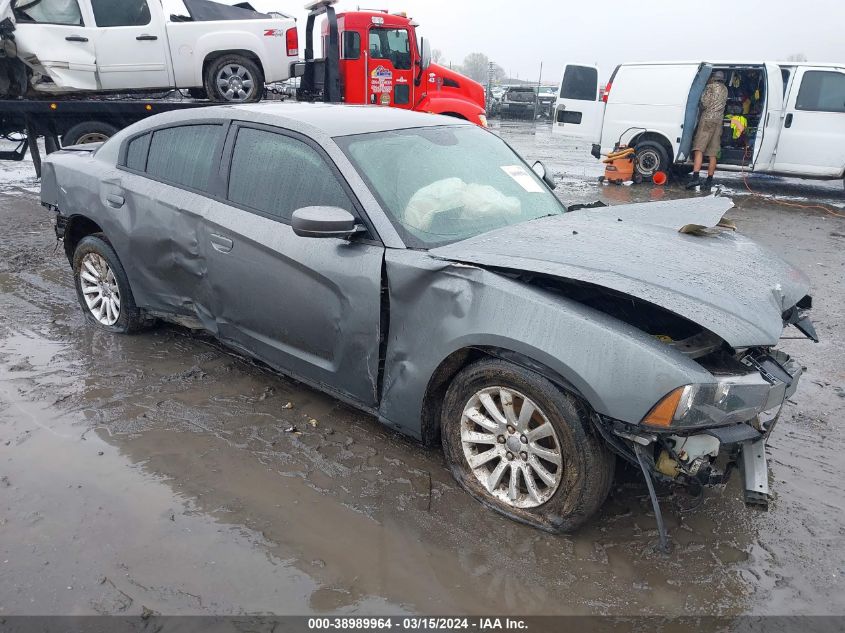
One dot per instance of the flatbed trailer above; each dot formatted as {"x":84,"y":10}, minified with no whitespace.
{"x":65,"y":122}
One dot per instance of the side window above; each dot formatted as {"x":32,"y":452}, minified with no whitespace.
{"x":136,"y":153}
{"x":184,"y":155}
{"x":351,"y":45}
{"x":822,"y":91}
{"x":393,"y":45}
{"x":57,"y":12}
{"x":121,"y":12}
{"x":277,"y":175}
{"x":580,"y":82}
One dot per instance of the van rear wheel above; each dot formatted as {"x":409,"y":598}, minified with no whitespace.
{"x":651,"y":157}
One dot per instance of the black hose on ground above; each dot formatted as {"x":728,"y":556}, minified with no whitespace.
{"x":661,"y":527}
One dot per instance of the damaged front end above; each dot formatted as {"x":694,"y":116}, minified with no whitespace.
{"x":696,"y":433}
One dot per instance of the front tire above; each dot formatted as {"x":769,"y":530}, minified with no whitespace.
{"x":102,"y":287}
{"x":523,"y":447}
{"x":234,"y":79}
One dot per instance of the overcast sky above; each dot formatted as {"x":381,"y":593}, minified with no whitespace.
{"x":518,"y":35}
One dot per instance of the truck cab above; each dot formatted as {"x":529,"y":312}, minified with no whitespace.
{"x":376,"y":58}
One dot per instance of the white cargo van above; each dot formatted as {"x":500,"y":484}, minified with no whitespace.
{"x":793,"y":115}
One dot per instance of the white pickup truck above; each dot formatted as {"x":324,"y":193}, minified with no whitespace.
{"x":227,"y":52}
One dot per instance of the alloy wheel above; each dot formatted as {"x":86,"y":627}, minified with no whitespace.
{"x":511,"y":447}
{"x":235,"y":82}
{"x":100,"y":289}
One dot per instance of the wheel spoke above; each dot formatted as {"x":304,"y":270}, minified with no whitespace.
{"x":513,"y":484}
{"x":482,"y":420}
{"x":525,"y":414}
{"x":544,"y":453}
{"x":89,"y":290}
{"x":495,"y":477}
{"x":478,"y":438}
{"x":247,"y":83}
{"x":535,"y":465}
{"x":544,"y":430}
{"x":482,"y":458}
{"x":506,"y":398}
{"x":92,"y":270}
{"x":533,"y":491}
{"x":492,"y":409}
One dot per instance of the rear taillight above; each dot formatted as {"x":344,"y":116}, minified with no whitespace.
{"x":606,"y":92}
{"x":292,"y":39}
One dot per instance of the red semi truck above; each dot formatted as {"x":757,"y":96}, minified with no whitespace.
{"x":375,"y":57}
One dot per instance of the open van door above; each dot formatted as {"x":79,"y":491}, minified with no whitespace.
{"x":768,"y":134}
{"x":578,"y":109}
{"x":691,"y":111}
{"x":812,"y":140}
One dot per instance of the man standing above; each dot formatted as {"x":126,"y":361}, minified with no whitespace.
{"x":708,"y":135}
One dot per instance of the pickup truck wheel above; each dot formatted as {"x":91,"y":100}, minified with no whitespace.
{"x":102,"y":287}
{"x":651,"y":157}
{"x":523,"y":447}
{"x":88,"y":132}
{"x":234,"y":79}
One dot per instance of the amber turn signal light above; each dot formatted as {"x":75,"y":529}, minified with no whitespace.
{"x":664,"y":411}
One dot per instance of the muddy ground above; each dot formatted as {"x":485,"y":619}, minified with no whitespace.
{"x":158,"y":471}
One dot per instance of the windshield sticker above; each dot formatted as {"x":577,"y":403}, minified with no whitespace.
{"x":522,"y":178}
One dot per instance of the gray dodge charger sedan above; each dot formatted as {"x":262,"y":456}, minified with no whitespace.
{"x":417,"y":268}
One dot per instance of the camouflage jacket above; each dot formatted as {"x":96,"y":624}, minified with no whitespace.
{"x":713,"y":101}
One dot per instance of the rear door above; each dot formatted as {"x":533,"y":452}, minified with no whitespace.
{"x":578,"y":109}
{"x":812,"y":140}
{"x":59,"y":35}
{"x":131,"y":45}
{"x":390,"y":68}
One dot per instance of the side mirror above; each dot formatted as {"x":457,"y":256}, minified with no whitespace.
{"x":324,"y":222}
{"x":540,"y":169}
{"x":425,"y":54}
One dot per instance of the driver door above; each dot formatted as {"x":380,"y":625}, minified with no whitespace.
{"x":59,"y":35}
{"x":390,"y":68}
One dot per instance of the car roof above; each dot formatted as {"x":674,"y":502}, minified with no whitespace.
{"x":318,"y":119}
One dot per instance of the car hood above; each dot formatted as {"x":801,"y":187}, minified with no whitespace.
{"x":717,"y":278}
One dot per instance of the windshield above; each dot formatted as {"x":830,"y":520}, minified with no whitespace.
{"x":441,"y":185}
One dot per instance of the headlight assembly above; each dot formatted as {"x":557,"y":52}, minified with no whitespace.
{"x":729,"y":401}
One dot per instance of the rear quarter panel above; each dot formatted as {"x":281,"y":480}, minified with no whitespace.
{"x":192,"y":42}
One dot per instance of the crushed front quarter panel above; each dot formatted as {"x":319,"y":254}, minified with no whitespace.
{"x":438,"y":308}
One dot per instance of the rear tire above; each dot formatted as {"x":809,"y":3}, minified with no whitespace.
{"x":88,"y":132}
{"x":553,"y":445}
{"x":651,"y":157}
{"x":234,"y":79}
{"x":102,"y":287}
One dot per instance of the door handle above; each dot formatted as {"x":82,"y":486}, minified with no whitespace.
{"x":788,"y":122}
{"x":115,"y":200}
{"x":221,"y":244}
{"x":146,"y":38}
{"x":76,"y":38}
